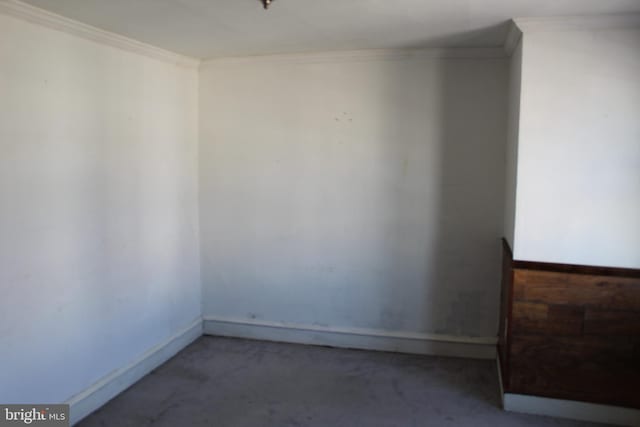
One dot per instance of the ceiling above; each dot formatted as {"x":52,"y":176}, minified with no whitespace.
{"x":214,"y":28}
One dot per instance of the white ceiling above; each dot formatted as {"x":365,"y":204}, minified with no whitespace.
{"x":213,"y":28}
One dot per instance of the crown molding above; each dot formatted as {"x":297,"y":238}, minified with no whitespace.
{"x":577,"y":23}
{"x":514,"y":35}
{"x":39,"y":16}
{"x":361,"y":56}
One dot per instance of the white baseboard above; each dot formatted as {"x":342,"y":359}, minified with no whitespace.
{"x":89,"y":400}
{"x":582,"y":411}
{"x":360,"y":338}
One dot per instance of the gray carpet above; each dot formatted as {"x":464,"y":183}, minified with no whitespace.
{"x":225,"y":382}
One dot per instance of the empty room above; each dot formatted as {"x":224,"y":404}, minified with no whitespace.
{"x":273,"y":213}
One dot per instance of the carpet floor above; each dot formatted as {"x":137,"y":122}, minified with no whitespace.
{"x":228,"y":382}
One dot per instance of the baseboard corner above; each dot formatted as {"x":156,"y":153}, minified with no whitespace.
{"x":89,"y":400}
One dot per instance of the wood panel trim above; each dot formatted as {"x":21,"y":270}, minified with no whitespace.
{"x":506,"y":310}
{"x":577,"y":269}
{"x":594,"y":270}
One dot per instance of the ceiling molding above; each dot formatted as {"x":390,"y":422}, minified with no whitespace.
{"x":36,"y":15}
{"x":514,"y":35}
{"x":578,"y":23}
{"x":362,"y":56}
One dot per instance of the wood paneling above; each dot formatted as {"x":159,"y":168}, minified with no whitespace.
{"x":612,"y":323}
{"x":537,"y":318}
{"x":572,"y":333}
{"x":576,"y":368}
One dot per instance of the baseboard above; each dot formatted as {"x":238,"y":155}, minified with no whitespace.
{"x":358,"y":338}
{"x":572,"y":409}
{"x":107,"y":388}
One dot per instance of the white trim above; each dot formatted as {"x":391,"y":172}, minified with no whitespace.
{"x":89,"y":400}
{"x":578,"y":23}
{"x":361,"y":338}
{"x":39,"y":16}
{"x":514,"y":36}
{"x":572,"y":409}
{"x":362,"y":55}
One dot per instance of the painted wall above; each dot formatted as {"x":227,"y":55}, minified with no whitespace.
{"x":579,"y":149}
{"x":513,"y":129}
{"x":98,"y":218}
{"x":353,"y":193}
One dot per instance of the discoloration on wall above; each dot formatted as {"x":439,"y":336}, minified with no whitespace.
{"x":465,"y":309}
{"x":385,"y":209}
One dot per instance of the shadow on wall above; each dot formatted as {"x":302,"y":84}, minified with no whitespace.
{"x":492,"y":35}
{"x":97,"y":246}
{"x":460,"y":217}
{"x":364,"y":194}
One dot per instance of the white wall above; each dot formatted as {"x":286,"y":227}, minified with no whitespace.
{"x":353,"y":193}
{"x":579,"y":149}
{"x":513,"y":129}
{"x":98,"y":217}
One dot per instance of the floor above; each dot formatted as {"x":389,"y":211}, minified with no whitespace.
{"x":235,"y":382}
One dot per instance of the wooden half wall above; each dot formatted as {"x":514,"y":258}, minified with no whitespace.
{"x":570,"y":332}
